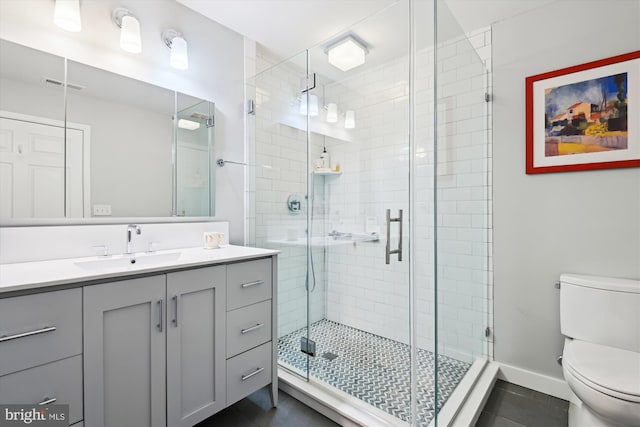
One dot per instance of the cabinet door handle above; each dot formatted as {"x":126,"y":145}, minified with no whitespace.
{"x":160,"y":310}
{"x":253,"y":328}
{"x":175,"y":310}
{"x":48,"y":401}
{"x":27,"y":334}
{"x":248,"y":285}
{"x":256,"y":372}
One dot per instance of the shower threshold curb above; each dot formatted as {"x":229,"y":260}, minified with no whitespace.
{"x":461,"y":409}
{"x":334,"y":404}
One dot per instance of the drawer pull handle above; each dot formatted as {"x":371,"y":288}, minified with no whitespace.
{"x":48,"y":401}
{"x":253,"y":328}
{"x":248,"y":285}
{"x":256,"y":372}
{"x":27,"y":334}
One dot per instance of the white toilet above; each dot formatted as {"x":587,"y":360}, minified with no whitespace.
{"x":600,"y":318}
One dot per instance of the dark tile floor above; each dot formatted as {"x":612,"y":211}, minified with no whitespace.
{"x":256,"y":411}
{"x":510,"y":405}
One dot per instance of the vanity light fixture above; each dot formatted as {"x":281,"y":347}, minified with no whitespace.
{"x":313,"y":104}
{"x":66,"y":15}
{"x":350,"y":119}
{"x":188,"y":124}
{"x":332,"y":112}
{"x":129,"y":25}
{"x":179,"y":59}
{"x":346,"y":53}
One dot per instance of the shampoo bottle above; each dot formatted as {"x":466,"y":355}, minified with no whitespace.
{"x":324,"y":157}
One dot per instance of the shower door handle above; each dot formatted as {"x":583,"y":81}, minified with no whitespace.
{"x":398,"y":251}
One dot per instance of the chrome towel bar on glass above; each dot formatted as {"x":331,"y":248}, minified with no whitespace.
{"x":222,"y":162}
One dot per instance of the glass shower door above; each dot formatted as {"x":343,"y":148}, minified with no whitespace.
{"x":277,"y":195}
{"x":360,"y":215}
{"x":463,"y":202}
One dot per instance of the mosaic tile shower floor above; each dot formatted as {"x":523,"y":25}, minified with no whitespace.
{"x":373,"y":369}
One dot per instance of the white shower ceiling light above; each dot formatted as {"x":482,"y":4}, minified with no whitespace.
{"x":346,"y":53}
{"x":188,"y":124}
{"x":130,"y":40}
{"x":66,"y":15}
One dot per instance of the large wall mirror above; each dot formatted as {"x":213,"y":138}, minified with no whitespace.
{"x":113,"y":147}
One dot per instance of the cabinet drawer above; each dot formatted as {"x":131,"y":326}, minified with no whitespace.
{"x":248,"y":372}
{"x":248,"y":327}
{"x":248,"y":283}
{"x":61,"y":380}
{"x":42,"y":328}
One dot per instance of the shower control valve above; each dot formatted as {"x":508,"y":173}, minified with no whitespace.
{"x":294,"y":203}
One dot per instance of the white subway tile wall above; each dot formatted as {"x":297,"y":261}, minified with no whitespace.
{"x":354,"y":286}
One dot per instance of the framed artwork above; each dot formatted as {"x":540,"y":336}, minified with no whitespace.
{"x":584,"y":117}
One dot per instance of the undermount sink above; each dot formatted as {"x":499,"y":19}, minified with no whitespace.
{"x":129,"y":260}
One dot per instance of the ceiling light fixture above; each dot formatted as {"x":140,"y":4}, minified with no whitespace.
{"x":188,"y":124}
{"x":179,"y":58}
{"x":346,"y":53}
{"x":130,"y":39}
{"x":66,"y":15}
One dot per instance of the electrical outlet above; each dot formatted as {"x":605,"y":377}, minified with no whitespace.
{"x":101,"y":210}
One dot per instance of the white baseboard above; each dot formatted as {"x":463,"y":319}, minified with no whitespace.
{"x":544,"y":384}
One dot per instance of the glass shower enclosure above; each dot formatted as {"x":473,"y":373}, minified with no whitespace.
{"x":373,"y":184}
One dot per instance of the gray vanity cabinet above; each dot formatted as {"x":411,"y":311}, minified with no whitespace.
{"x":196,"y":379}
{"x":173,"y":349}
{"x":124,"y":353}
{"x":41,"y":350}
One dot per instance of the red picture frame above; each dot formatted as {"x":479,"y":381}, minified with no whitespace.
{"x":584,"y":117}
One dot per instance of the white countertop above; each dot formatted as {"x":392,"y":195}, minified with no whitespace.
{"x":39,"y":274}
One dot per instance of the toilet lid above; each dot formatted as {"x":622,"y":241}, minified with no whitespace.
{"x":612,"y":370}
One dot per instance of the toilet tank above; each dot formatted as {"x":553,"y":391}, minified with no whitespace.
{"x":601,"y":310}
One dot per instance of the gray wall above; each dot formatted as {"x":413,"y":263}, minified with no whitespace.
{"x":584,"y":222}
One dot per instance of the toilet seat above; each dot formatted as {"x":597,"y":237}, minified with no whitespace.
{"x":611,"y":371}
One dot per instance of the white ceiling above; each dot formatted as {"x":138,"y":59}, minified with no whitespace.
{"x":287,"y":27}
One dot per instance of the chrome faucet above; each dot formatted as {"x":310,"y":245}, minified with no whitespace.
{"x":130,"y":229}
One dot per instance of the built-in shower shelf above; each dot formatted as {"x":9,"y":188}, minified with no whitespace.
{"x":317,"y":127}
{"x":327,"y":173}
